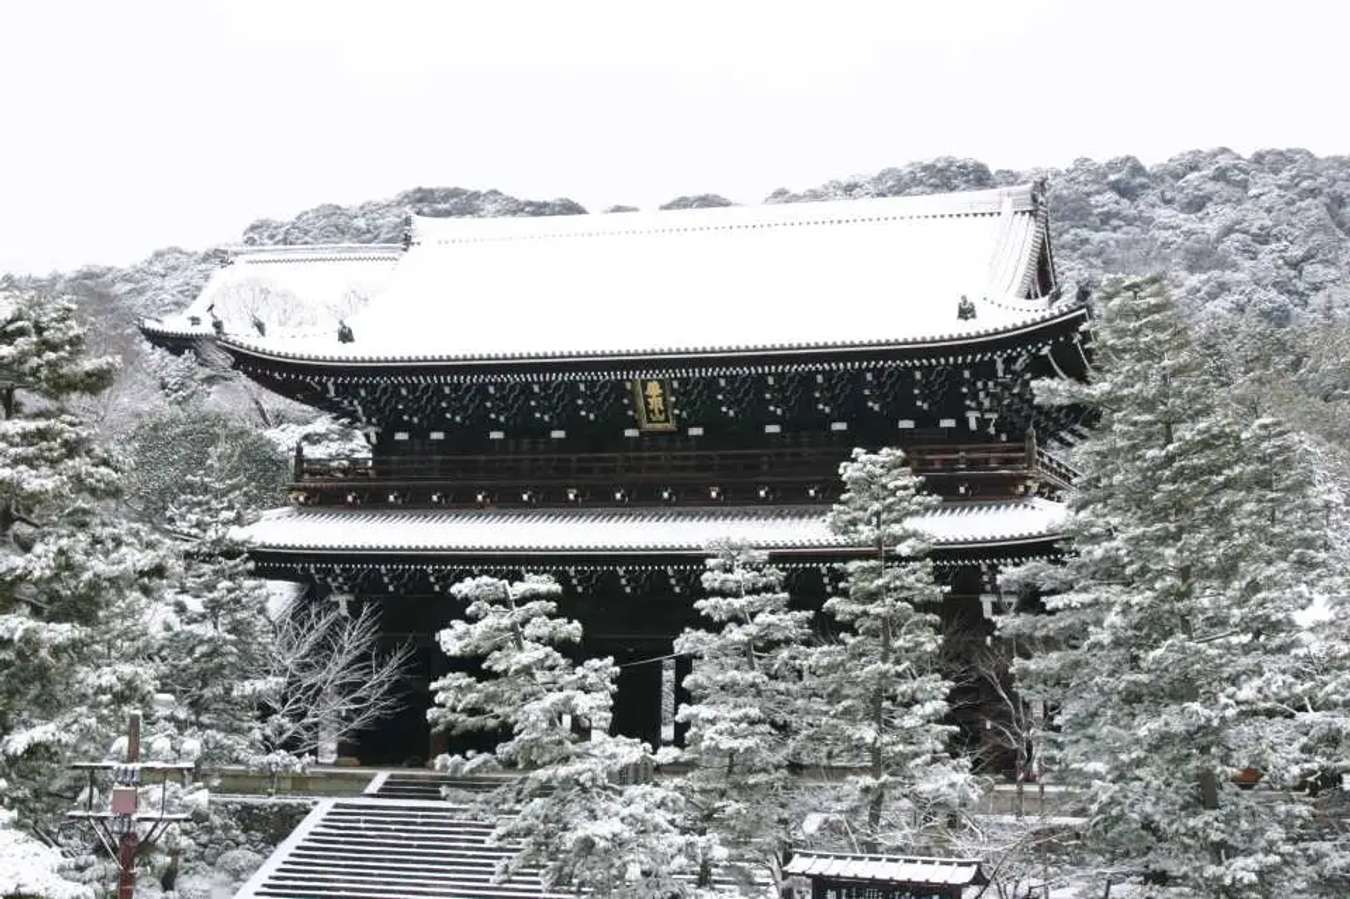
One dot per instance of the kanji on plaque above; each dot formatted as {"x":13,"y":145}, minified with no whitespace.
{"x":652,"y":398}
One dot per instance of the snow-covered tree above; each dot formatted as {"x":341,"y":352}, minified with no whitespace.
{"x":216,"y":639}
{"x":47,"y":453}
{"x":183,"y":380}
{"x":590,"y":820}
{"x":745,"y":717}
{"x":169,"y":448}
{"x":1197,"y":536}
{"x":513,"y":628}
{"x":881,"y":680}
{"x":578,"y":815}
{"x":76,"y":584}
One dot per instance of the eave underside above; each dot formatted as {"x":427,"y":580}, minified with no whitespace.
{"x":635,"y":573}
{"x":982,"y":388}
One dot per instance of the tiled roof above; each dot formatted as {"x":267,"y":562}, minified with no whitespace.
{"x":886,"y":868}
{"x":873,"y":272}
{"x":633,"y":530}
{"x":302,"y":289}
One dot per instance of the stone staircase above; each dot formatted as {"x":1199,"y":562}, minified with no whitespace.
{"x":428,"y":785}
{"x":383,"y":848}
{"x":400,"y":840}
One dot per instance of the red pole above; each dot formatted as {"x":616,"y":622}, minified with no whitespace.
{"x":126,"y":861}
{"x":126,"y":850}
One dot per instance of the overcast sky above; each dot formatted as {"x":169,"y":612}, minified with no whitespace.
{"x":135,"y":125}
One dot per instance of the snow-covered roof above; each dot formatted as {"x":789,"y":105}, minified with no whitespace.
{"x":624,"y":530}
{"x":302,"y":289}
{"x":886,"y":868}
{"x":871,"y":272}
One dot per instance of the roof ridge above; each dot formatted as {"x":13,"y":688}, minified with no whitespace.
{"x":984,"y":202}
{"x":309,"y":249}
{"x":886,"y":855}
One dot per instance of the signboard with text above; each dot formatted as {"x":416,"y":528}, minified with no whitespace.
{"x":651,"y":397}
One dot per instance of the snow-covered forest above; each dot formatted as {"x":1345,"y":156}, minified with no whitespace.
{"x":1191,"y":683}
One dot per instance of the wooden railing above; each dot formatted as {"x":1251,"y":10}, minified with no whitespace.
{"x":790,"y":464}
{"x":766,"y":475}
{"x":1055,"y":472}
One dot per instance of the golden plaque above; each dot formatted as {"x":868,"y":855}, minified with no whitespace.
{"x":652,"y":398}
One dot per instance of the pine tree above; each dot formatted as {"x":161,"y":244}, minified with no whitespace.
{"x":881,"y":680}
{"x":1196,"y":538}
{"x":47,"y":453}
{"x":513,"y":629}
{"x":183,"y":380}
{"x":594,"y":821}
{"x":76,"y":584}
{"x":575,"y":816}
{"x":217,"y":639}
{"x":745,"y":715}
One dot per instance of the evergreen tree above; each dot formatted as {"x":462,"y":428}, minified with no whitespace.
{"x":76,"y":585}
{"x":513,"y":629}
{"x":1196,"y":537}
{"x":48,"y":454}
{"x":881,"y":681}
{"x":746,"y":710}
{"x":166,"y":449}
{"x":593,"y":820}
{"x":578,"y":815}
{"x":217,"y":639}
{"x":183,"y":380}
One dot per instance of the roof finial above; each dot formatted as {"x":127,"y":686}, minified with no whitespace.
{"x":1039,"y":188}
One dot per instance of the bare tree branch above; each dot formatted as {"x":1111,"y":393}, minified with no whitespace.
{"x":329,"y":678}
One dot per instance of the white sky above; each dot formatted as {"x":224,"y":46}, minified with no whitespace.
{"x":134,"y":125}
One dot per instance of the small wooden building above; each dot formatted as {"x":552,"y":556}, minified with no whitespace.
{"x":837,"y":875}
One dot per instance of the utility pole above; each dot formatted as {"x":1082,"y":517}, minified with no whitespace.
{"x":117,"y":828}
{"x":126,"y":850}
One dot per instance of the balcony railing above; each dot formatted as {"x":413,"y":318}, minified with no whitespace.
{"x":784,"y":474}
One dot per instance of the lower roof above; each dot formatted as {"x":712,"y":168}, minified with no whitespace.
{"x":569,"y":531}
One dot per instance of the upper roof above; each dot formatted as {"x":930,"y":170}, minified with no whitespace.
{"x":680,"y":530}
{"x":852,"y":273}
{"x":289,"y":289}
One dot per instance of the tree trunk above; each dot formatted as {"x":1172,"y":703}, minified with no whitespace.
{"x":1209,"y":789}
{"x":878,"y":762}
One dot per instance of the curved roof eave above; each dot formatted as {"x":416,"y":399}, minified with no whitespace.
{"x":1060,"y":315}
{"x":792,"y":530}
